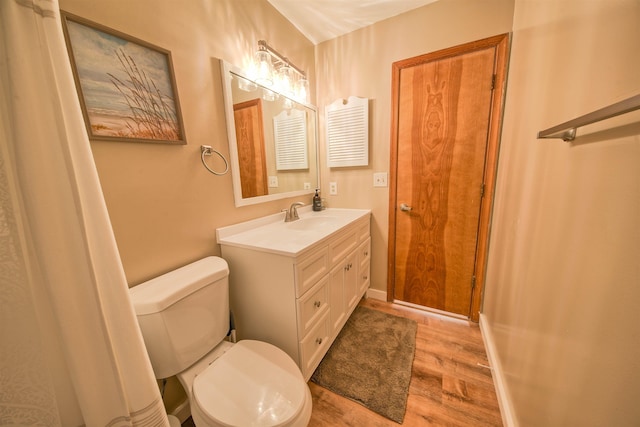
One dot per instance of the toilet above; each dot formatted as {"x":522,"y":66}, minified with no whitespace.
{"x":184,"y":318}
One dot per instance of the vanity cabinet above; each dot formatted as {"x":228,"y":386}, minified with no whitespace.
{"x":299,"y":301}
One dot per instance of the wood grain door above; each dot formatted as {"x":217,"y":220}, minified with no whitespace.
{"x":443,"y":152}
{"x":251,"y":150}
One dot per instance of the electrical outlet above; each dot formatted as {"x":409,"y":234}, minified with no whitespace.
{"x":333,"y":188}
{"x":307,"y":186}
{"x":380,"y":179}
{"x":273,"y":181}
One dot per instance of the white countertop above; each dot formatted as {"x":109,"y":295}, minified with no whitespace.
{"x":272,"y":234}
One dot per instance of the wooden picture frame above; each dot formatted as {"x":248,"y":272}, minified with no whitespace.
{"x":126,"y":86}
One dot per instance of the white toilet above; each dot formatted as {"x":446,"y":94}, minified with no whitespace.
{"x":184,"y":318}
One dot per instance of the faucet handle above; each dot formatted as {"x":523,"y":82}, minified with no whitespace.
{"x":287,"y":215}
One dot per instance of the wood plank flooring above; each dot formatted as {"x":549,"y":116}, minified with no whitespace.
{"x":451,"y":383}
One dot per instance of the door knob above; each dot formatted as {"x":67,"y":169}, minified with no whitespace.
{"x":404,"y":207}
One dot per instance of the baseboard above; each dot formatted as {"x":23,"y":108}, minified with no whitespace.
{"x":376,"y":294}
{"x":502,"y":390}
{"x":182,"y":411}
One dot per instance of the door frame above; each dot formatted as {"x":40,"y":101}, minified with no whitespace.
{"x":501,"y":43}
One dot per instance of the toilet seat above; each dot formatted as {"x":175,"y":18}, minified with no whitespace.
{"x":252,"y":384}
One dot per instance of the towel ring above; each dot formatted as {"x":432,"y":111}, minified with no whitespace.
{"x":206,"y":150}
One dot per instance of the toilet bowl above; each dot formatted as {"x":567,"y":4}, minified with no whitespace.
{"x":184,"y":318}
{"x":252,"y":384}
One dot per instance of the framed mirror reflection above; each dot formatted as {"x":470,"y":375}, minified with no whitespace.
{"x":272,"y":141}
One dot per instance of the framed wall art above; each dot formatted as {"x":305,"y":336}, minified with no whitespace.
{"x":126,"y":86}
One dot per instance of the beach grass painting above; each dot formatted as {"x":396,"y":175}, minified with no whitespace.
{"x":126,"y":86}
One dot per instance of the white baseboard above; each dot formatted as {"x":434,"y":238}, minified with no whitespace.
{"x":182,"y":411}
{"x":502,"y":390}
{"x":376,"y":294}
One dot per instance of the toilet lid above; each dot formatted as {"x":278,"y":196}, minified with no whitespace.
{"x":252,"y":384}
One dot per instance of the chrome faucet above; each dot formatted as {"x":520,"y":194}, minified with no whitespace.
{"x":291,"y":214}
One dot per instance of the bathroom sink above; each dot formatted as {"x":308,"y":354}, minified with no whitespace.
{"x":272,"y":234}
{"x":312,"y":222}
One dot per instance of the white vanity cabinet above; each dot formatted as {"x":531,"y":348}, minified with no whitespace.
{"x":298,"y":298}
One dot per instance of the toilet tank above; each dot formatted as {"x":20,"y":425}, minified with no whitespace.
{"x":183,"y":314}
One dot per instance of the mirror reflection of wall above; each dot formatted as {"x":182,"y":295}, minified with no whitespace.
{"x":275,"y":142}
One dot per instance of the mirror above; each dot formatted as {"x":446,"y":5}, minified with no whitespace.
{"x":272,"y":141}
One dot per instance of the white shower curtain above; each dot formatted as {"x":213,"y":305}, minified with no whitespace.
{"x":62,"y":279}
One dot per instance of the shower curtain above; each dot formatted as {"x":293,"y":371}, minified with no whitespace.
{"x":70,"y":348}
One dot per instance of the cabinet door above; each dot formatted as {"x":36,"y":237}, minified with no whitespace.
{"x":336,"y":296}
{"x":351,"y":281}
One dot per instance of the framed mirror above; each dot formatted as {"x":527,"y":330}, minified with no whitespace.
{"x":273,"y":141}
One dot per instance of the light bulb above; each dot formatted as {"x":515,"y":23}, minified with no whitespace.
{"x":286,"y":80}
{"x":264,"y":69}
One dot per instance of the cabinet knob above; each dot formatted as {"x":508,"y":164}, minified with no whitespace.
{"x":366,"y":253}
{"x":317,"y":304}
{"x":318,"y":341}
{"x":364,"y":277}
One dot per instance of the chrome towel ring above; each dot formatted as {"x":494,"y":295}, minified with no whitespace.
{"x":206,"y":150}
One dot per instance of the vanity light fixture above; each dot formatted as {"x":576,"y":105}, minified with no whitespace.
{"x":246,"y":84}
{"x":269,"y":95}
{"x":285,"y":79}
{"x":277,"y":73}
{"x":264,"y":67}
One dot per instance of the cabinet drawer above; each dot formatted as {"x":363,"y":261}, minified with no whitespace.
{"x":310,"y":270}
{"x":341,"y":246}
{"x":312,"y":306}
{"x":314,"y":346}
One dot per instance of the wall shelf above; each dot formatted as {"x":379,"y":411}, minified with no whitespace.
{"x":567,"y":130}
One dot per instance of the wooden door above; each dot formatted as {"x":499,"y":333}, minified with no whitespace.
{"x":251,"y":152}
{"x":446,"y":112}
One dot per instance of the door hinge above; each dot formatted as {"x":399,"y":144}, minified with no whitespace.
{"x":473,"y":282}
{"x":482,"y":190}
{"x":493,"y":82}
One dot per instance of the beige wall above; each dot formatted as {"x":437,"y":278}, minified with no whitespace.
{"x":563,"y":286}
{"x":163,"y":204}
{"x":359,"y":64}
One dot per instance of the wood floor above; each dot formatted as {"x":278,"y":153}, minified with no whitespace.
{"x":451,"y":383}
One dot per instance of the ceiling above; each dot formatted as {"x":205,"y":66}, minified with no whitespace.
{"x":321,"y":20}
